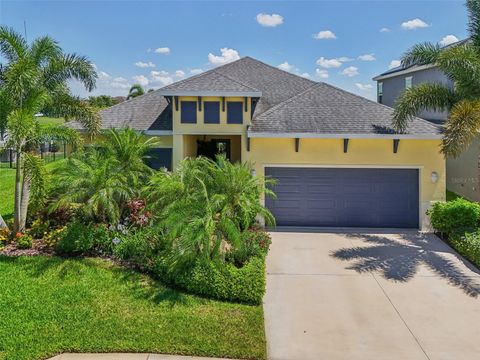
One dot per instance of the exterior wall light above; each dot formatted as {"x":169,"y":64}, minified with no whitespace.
{"x":434,"y":177}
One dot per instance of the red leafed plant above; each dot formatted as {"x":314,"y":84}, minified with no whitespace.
{"x":138,"y":215}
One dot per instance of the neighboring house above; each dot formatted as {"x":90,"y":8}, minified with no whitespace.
{"x":337,"y":160}
{"x":462,"y":172}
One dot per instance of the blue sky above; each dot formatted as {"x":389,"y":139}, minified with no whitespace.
{"x":344,"y":43}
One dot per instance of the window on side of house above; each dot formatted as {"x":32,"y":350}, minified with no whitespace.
{"x":188,"y":112}
{"x":234,"y":112}
{"x":211,"y":112}
{"x":408,"y":82}
{"x":379,"y":91}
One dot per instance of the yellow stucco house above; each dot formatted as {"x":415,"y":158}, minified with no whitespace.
{"x":336,"y":158}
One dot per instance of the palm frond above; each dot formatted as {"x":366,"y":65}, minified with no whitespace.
{"x":43,"y":49}
{"x":462,"y":126}
{"x":473,"y":7}
{"x":421,"y":54}
{"x":13,"y":45}
{"x":70,"y":66}
{"x":427,"y":96}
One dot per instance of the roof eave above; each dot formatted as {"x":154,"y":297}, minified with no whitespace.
{"x":254,"y":134}
{"x":209,"y":93}
{"x":403,"y":72}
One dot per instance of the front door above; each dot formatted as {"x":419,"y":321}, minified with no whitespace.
{"x":214,"y":147}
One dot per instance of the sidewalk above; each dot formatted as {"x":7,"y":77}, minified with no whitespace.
{"x":126,"y":356}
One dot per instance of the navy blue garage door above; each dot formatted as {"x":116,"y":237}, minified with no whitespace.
{"x":345,"y":197}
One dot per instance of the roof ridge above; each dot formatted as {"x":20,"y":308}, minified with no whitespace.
{"x":375,"y":102}
{"x":280,"y":70}
{"x":234,"y":80}
{"x":287,"y":101}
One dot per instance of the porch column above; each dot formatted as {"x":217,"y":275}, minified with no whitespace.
{"x":177,"y":152}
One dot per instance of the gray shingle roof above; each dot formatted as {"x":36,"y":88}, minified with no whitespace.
{"x":147,"y":112}
{"x":289,"y":104}
{"x":276,"y":85}
{"x":210,"y":81}
{"x":325,"y":109}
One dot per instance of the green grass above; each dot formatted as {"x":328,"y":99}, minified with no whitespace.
{"x":7,"y":189}
{"x":7,"y":186}
{"x":50,"y":305}
{"x":45,"y":120}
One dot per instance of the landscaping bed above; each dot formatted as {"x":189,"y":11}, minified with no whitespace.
{"x":458,"y":223}
{"x":51,"y":305}
{"x":106,"y":235}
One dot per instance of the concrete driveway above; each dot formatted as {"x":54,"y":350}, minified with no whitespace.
{"x":359,"y":295}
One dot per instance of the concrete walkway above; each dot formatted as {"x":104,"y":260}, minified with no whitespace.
{"x":357,"y":295}
{"x":125,"y":356}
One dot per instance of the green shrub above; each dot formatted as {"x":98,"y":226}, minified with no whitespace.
{"x":468,"y":246}
{"x":39,"y":228}
{"x":75,"y":239}
{"x":24,"y":241}
{"x":255,"y":242}
{"x":139,"y":246}
{"x":78,"y":238}
{"x":455,"y":215}
{"x":223,"y":281}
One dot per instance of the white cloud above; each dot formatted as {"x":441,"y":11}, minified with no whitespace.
{"x":161,"y":77}
{"x":350,"y":71}
{"x":102,"y":75}
{"x":447,"y":40}
{"x":414,"y":24}
{"x":305,"y":75}
{"x":384,"y":30}
{"x":162,"y":50}
{"x":332,"y":63}
{"x":367,"y":57}
{"x":325,"y":35}
{"x":140,"y":79}
{"x":196,"y":71}
{"x":364,"y":87}
{"x":269,"y":20}
{"x":228,"y":55}
{"x":394,"y":64}
{"x":120,"y":79}
{"x":180,"y":73}
{"x":323,"y":74}
{"x":285,"y":66}
{"x":142,"y":64}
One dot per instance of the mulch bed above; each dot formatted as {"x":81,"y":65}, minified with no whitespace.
{"x":38,"y":248}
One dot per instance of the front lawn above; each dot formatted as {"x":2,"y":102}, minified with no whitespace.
{"x":50,"y":305}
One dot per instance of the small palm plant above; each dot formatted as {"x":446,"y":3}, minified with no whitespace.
{"x":205,"y":206}
{"x":105,"y":177}
{"x":461,"y":63}
{"x":135,"y":90}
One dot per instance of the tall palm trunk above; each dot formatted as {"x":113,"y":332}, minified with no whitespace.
{"x":25,"y":199}
{"x":18,"y":191}
{"x":3,"y":224}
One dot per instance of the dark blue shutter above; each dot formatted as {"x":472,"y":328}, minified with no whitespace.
{"x":211,"y":112}
{"x":188,"y":112}
{"x":234,"y":112}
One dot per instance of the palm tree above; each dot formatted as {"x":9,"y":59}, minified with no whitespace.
{"x":205,"y":206}
{"x":135,"y":90}
{"x":461,"y":63}
{"x":32,"y":77}
{"x":102,"y":181}
{"x":130,"y":147}
{"x":92,"y":183}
